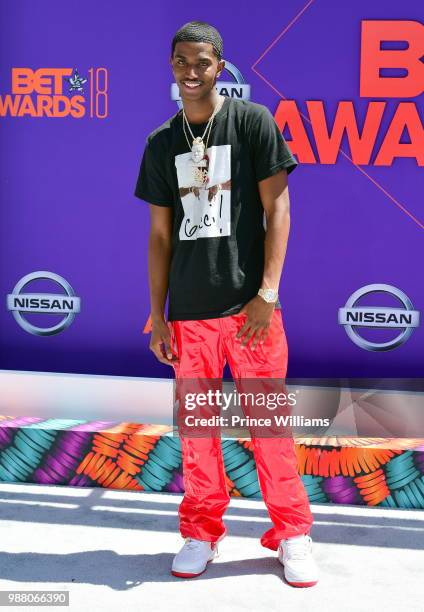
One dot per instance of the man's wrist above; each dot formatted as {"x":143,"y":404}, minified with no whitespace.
{"x":269,"y":295}
{"x":157,"y":318}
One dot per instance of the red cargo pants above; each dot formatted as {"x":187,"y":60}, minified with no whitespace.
{"x":203,"y":347}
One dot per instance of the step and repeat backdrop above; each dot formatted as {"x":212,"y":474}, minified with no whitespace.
{"x":79,"y":92}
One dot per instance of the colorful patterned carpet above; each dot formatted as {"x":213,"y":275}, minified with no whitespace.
{"x":110,"y":454}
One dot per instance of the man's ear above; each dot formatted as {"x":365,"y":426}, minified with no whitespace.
{"x":171,"y":67}
{"x":221,"y":66}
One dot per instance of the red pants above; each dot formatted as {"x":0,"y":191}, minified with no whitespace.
{"x":203,"y":347}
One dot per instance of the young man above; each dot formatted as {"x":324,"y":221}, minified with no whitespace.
{"x":215,"y":176}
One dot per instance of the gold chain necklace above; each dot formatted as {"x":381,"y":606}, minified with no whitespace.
{"x":198,"y":146}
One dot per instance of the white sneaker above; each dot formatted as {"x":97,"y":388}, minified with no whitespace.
{"x":193,"y":558}
{"x":295,"y":554}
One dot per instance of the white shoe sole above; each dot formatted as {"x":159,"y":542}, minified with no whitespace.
{"x":298,"y":583}
{"x":191,"y":574}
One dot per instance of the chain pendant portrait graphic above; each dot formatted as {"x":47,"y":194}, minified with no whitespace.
{"x":205,"y":192}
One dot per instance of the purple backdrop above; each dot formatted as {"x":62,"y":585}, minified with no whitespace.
{"x":67,"y":203}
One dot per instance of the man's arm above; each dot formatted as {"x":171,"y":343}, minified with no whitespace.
{"x":274,"y":195}
{"x":159,"y":258}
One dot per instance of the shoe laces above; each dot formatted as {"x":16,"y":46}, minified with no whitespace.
{"x":298,"y":548}
{"x":191,"y":543}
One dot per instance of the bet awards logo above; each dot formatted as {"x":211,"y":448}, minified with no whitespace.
{"x":67,"y":304}
{"x":56,"y":92}
{"x":353,"y":316}
{"x":393,"y":102}
{"x":233,"y":89}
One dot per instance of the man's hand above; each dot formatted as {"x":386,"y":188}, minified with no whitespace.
{"x":186,"y":190}
{"x":161,"y":337}
{"x":212,"y":191}
{"x":256,"y":326}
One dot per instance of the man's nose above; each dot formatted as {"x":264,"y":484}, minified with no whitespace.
{"x":191,"y":73}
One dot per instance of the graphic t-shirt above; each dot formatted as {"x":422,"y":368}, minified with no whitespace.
{"x":218,"y":251}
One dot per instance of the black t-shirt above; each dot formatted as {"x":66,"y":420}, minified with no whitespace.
{"x":218,"y":232}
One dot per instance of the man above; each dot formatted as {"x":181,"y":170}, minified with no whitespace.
{"x":215,"y":177}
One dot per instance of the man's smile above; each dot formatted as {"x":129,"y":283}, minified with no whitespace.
{"x":191,"y":84}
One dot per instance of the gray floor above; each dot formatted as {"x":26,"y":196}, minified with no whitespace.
{"x":113,"y":549}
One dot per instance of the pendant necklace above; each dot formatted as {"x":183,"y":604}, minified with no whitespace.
{"x":199,"y":161}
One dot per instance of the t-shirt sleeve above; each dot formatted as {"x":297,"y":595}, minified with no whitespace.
{"x":152,"y":185}
{"x":270,"y":151}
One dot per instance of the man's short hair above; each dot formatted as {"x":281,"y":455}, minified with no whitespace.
{"x":199,"y":31}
